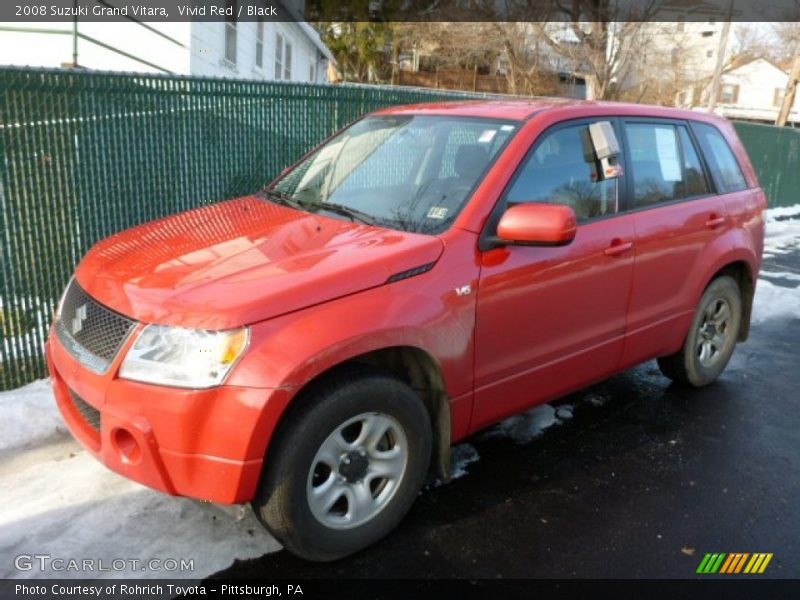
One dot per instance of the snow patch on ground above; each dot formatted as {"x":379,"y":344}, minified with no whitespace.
{"x":60,"y":501}
{"x":526,"y":427}
{"x":595,"y":400}
{"x":29,"y":417}
{"x":783,"y":212}
{"x":461,"y":456}
{"x":774,"y":301}
{"x":782,"y":235}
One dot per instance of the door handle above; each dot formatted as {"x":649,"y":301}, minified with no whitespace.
{"x":714,"y":221}
{"x":617,"y":247}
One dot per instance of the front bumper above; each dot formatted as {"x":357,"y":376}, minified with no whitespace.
{"x":197,"y":443}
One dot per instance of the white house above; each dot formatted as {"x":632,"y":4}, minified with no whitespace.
{"x":751,"y":91}
{"x":291,"y":51}
{"x":677,"y":54}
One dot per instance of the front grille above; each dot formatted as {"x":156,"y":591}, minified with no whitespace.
{"x":89,"y":413}
{"x":91,"y":333}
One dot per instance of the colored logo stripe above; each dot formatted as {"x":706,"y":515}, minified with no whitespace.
{"x":734,"y":563}
{"x":758,"y":563}
{"x":711,"y":563}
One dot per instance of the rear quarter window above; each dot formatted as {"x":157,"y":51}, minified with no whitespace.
{"x":725,"y":169}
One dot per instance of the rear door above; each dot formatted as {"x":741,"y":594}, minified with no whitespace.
{"x":677,"y":214}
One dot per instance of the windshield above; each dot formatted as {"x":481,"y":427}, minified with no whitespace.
{"x":406,"y":172}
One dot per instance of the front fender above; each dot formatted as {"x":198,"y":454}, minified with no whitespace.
{"x":424,"y":312}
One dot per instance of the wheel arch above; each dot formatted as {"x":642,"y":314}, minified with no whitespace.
{"x":410,"y":364}
{"x":741,"y":271}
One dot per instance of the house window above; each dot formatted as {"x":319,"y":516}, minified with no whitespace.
{"x":729,"y":94}
{"x":283,"y":58}
{"x":278,"y":56}
{"x":260,"y":43}
{"x":777,"y":97}
{"x":709,"y":53}
{"x":287,"y":62}
{"x":230,"y":32}
{"x":312,"y":71}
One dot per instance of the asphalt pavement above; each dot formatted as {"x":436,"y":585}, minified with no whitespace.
{"x":644,"y":480}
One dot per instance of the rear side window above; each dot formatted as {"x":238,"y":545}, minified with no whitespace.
{"x":725,"y":169}
{"x":558,"y":171}
{"x":664,"y":164}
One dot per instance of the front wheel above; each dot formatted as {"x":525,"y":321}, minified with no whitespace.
{"x":345,"y":466}
{"x":711,"y":338}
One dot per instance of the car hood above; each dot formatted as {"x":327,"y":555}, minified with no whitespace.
{"x":243,"y":261}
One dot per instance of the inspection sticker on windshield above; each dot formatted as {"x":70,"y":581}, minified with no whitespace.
{"x":437,"y":212}
{"x":487,"y":136}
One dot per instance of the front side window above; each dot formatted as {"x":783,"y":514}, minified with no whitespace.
{"x":724,"y":167}
{"x":408,"y":172}
{"x":664,"y":164}
{"x":560,"y":172}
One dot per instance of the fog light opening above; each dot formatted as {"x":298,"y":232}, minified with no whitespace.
{"x":127,"y":446}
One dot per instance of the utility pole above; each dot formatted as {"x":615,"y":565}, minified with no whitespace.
{"x":788,"y":95}
{"x":75,"y":37}
{"x":721,"y":51}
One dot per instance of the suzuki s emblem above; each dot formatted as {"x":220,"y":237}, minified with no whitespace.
{"x":80,"y":316}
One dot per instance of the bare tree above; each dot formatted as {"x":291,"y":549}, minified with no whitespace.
{"x":505,"y":48}
{"x":600,"y":38}
{"x":525,"y":65}
{"x":788,"y":34}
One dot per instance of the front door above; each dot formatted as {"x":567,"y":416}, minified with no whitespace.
{"x":550,"y":319}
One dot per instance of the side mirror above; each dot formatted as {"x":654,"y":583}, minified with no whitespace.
{"x":537,"y":224}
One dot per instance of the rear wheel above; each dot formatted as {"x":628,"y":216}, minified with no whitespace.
{"x":712,"y":336}
{"x":345,"y":466}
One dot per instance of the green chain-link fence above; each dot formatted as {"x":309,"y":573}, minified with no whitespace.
{"x":775,"y":154}
{"x":86,"y":154}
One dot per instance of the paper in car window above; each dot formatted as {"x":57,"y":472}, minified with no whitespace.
{"x":487,"y":136}
{"x":437,"y":212}
{"x":667,"y":149}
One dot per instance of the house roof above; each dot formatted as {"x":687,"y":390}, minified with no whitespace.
{"x":309,"y":31}
{"x":739,"y":62}
{"x":316,"y":40}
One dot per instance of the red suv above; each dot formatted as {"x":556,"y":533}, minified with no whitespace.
{"x":317,"y":347}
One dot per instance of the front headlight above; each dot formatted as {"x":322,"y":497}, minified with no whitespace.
{"x":190,"y":358}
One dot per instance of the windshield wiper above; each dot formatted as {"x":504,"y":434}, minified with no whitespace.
{"x":283,"y":198}
{"x":289,"y":200}
{"x":353,"y":213}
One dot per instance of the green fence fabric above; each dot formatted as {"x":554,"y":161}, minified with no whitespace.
{"x":86,"y":154}
{"x":775,"y":154}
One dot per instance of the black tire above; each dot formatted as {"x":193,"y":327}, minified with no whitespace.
{"x":686,"y":366}
{"x":282,"y":501}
